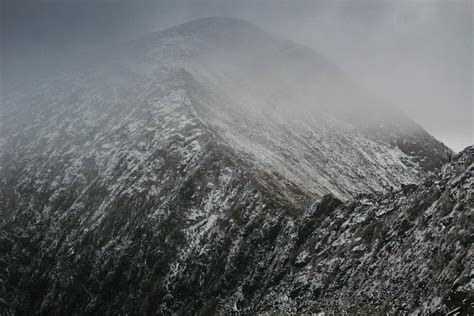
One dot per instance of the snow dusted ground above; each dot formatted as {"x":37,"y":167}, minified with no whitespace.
{"x":404,"y":251}
{"x":191,"y":174}
{"x":274,"y":102}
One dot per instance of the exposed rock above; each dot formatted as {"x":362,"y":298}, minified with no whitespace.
{"x":168,"y":183}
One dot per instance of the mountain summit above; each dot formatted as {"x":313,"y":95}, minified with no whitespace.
{"x":252,"y":88}
{"x":175,"y":176}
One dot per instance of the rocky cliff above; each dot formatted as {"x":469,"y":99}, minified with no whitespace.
{"x":212,"y":167}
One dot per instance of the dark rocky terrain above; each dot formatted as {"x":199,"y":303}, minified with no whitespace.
{"x":171,"y":180}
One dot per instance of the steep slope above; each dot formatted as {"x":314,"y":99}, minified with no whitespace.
{"x":100,"y":211}
{"x":278,"y":104}
{"x":406,"y":251}
{"x":174,"y":177}
{"x":291,"y":111}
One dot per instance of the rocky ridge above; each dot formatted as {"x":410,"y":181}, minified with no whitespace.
{"x":164,"y":183}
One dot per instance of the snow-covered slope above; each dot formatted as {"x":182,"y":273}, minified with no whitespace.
{"x":286,"y":110}
{"x":292,"y":112}
{"x":408,"y":251}
{"x":172,"y":177}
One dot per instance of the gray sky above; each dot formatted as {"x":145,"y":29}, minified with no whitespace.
{"x":415,"y":54}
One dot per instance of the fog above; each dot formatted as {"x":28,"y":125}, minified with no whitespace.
{"x":414,"y":54}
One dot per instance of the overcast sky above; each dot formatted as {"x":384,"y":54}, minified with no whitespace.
{"x":415,"y":54}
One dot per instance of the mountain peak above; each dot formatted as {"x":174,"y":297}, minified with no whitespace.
{"x":218,"y":20}
{"x":213,"y":24}
{"x":206,"y":35}
{"x":209,"y":27}
{"x":210,"y":173}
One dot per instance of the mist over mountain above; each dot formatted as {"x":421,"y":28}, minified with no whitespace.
{"x":213,"y":167}
{"x":416,"y":55}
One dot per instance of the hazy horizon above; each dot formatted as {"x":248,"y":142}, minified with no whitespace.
{"x":416,"y":55}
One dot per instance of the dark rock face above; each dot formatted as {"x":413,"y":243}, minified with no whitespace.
{"x":406,"y":251}
{"x":147,"y":189}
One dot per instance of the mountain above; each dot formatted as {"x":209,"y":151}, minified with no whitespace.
{"x":408,"y":251}
{"x":193,"y":169}
{"x":292,"y":112}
